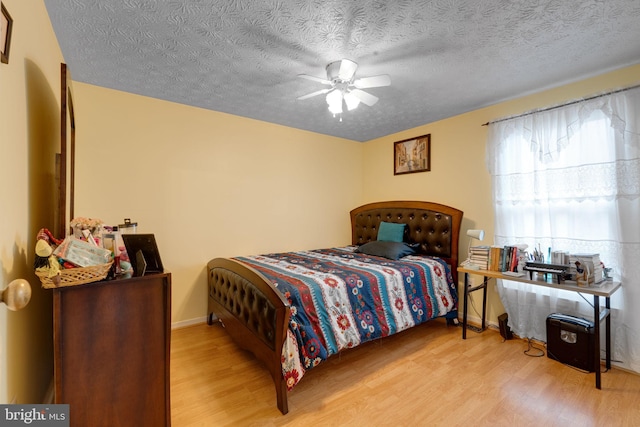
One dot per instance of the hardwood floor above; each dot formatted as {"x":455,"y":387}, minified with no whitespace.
{"x":424,"y":376}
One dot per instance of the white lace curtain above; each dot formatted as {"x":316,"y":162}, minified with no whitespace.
{"x":569,"y":179}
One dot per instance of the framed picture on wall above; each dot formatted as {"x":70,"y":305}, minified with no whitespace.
{"x":412,"y":155}
{"x":5,"y":34}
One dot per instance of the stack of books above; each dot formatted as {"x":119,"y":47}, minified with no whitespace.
{"x":586,"y":269}
{"x":559,"y":258}
{"x":503,"y":258}
{"x":479,"y":256}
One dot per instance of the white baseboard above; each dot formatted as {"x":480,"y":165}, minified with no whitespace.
{"x":476,"y":321}
{"x":189,"y":322}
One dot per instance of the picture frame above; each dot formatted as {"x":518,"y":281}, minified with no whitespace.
{"x":143,"y":253}
{"x":6,"y":24}
{"x":412,"y":155}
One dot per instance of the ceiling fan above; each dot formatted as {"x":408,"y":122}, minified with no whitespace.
{"x":345,"y":87}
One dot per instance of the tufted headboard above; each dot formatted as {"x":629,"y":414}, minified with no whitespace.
{"x":434,"y":226}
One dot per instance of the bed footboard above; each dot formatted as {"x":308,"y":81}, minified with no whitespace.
{"x":254,"y":314}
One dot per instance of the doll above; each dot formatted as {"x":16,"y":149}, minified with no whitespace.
{"x":45,"y":260}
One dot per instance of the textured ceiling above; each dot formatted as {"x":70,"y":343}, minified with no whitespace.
{"x":445,"y":57}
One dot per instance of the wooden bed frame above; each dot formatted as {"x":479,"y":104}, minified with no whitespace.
{"x":256,"y":315}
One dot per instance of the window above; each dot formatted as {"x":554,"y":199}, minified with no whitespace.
{"x":569,"y":179}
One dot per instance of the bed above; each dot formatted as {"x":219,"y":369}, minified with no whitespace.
{"x":293,"y":310}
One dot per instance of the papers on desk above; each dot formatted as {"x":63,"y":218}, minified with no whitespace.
{"x":512,"y":273}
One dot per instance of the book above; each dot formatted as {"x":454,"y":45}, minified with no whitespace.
{"x":495,"y":258}
{"x":511,"y":258}
{"x":586,"y":268}
{"x":514,"y":259}
{"x":479,"y":256}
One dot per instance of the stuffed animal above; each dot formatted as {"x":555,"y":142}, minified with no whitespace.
{"x":45,"y":260}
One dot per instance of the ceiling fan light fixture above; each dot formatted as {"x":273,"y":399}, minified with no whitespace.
{"x":345,"y":88}
{"x":334,"y":101}
{"x":342,"y":70}
{"x":351,"y":100}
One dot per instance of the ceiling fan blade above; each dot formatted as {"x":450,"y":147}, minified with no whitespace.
{"x":373,"y":81}
{"x":315,"y":79}
{"x":365,"y":97}
{"x":347,"y":69}
{"x":351,"y":100}
{"x":312,"y":94}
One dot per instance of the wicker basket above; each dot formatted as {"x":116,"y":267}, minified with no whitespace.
{"x":74,"y":276}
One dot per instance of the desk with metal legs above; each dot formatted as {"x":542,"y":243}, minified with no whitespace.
{"x":606,"y":290}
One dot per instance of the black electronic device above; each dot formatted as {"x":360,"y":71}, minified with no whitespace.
{"x":143,"y":253}
{"x":570,"y":340}
{"x":558,"y":270}
{"x":505,"y":331}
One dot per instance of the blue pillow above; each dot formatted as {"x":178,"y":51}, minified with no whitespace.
{"x":391,"y":232}
{"x":391,"y":250}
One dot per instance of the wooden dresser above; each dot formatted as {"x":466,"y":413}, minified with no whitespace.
{"x":111,"y":350}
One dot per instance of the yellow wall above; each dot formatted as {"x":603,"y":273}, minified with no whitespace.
{"x":458,"y":174}
{"x":209,"y":184}
{"x":29,"y":136}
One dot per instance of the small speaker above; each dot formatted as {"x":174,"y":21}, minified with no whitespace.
{"x":505,"y":331}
